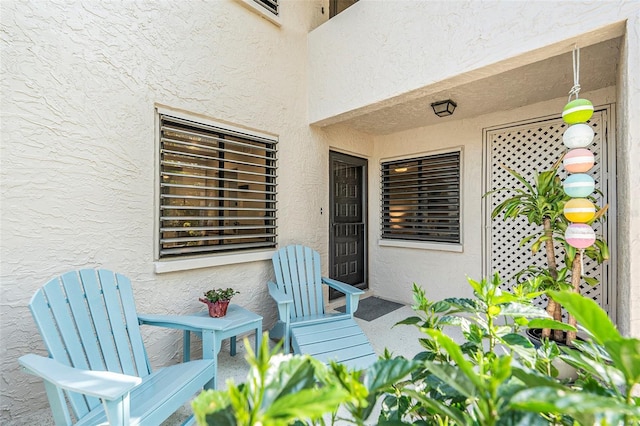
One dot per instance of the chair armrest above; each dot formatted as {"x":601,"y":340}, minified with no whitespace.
{"x":352,"y":294}
{"x":180,"y":322}
{"x":284,"y":301}
{"x":278,"y":295}
{"x":342,"y":287}
{"x":100,"y":384}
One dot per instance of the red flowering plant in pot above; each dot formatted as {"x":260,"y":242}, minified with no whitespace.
{"x":218,"y":301}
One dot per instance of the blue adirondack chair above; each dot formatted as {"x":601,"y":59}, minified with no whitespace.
{"x":303,"y":321}
{"x":98,"y":370}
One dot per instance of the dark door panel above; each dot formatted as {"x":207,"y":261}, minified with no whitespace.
{"x":349,"y":253}
{"x":347,"y":248}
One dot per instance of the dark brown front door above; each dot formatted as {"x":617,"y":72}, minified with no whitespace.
{"x":347,"y":227}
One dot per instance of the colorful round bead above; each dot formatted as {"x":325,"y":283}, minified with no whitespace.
{"x":578,"y":136}
{"x":580,"y":235}
{"x":577,"y":111}
{"x":579,"y":210}
{"x":579,"y":185}
{"x":578,"y":160}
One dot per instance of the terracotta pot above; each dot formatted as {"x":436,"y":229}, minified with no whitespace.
{"x":216,"y":309}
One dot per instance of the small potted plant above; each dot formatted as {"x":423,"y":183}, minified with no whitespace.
{"x":218,"y":301}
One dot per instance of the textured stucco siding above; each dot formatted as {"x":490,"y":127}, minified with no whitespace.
{"x":628,"y":180}
{"x":80,"y":81}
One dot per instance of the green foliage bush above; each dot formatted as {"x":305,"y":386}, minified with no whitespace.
{"x":495,"y":376}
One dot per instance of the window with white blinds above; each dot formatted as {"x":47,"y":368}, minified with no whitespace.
{"x":270,"y":5}
{"x":421,"y":198}
{"x":217,"y":189}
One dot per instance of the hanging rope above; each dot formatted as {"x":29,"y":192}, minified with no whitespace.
{"x":575,"y":90}
{"x":581,"y":262}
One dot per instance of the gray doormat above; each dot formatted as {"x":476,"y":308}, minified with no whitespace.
{"x":372,"y":308}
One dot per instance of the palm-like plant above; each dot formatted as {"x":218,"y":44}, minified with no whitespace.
{"x":543,"y":205}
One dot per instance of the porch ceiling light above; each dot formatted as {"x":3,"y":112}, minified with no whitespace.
{"x":444,"y":108}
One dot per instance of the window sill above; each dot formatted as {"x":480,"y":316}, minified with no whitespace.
{"x":165,"y":266}
{"x":253,"y":6}
{"x":422,"y":245}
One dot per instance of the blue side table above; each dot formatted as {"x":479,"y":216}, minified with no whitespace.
{"x":212,"y":331}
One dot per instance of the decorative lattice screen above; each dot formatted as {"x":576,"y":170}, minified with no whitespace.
{"x":528,"y":148}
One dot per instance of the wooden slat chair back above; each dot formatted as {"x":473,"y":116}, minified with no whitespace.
{"x":97,"y":362}
{"x":304,"y":322}
{"x":88,"y":320}
{"x":297,"y":270}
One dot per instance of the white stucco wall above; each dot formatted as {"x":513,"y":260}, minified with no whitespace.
{"x":378,"y":53}
{"x":79,"y":85}
{"x":628,"y":181}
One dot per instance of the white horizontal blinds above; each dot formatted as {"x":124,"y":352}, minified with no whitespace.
{"x":217,"y":189}
{"x":421,"y":198}
{"x":270,"y":5}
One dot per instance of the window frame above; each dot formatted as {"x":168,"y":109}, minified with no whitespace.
{"x":258,"y":7}
{"x":271,"y":6}
{"x":192,"y":261}
{"x":429,"y":244}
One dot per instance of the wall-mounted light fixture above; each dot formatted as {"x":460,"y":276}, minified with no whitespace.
{"x":444,"y":108}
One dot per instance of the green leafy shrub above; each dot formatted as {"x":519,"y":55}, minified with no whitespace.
{"x":297,"y":390}
{"x":493,"y":376}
